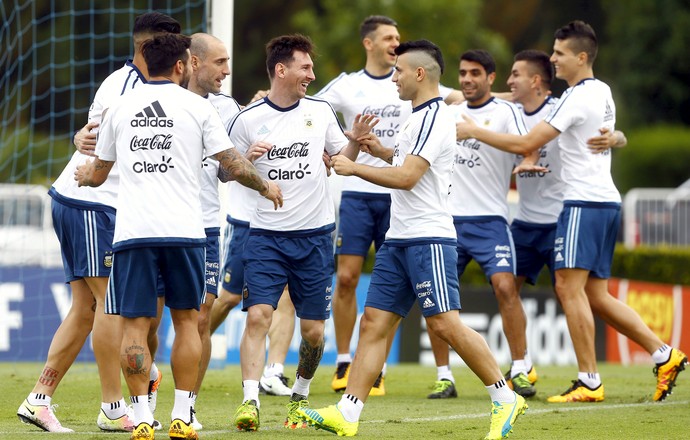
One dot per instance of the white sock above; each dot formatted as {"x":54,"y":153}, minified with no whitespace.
{"x":275,"y":369}
{"x":528,"y":361}
{"x":38,"y":399}
{"x":519,"y":366}
{"x":500,"y":392}
{"x":250,"y":388}
{"x":592,"y":380}
{"x":343,"y":359}
{"x":142,"y":413}
{"x":443,"y":372}
{"x":662,"y":355}
{"x":194,"y":400}
{"x":383,"y":370}
{"x":182,"y":409}
{"x":301,"y":386}
{"x":351,"y":407}
{"x":153,"y":373}
{"x":114,"y":410}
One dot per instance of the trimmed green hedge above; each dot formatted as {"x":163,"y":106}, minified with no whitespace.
{"x":670,"y":265}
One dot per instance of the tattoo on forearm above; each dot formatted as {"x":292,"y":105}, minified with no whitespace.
{"x":389,"y":160}
{"x":135,"y":358}
{"x":240,"y":168}
{"x":48,"y":377}
{"x":309,"y":358}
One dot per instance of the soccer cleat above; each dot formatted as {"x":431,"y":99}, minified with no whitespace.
{"x":247,"y":416}
{"x":274,"y":386}
{"x":523,"y":386}
{"x":443,"y":389}
{"x":195,"y":422}
{"x":667,"y":373}
{"x":378,"y":389}
{"x":143,"y":431}
{"x":342,"y":373}
{"x":153,"y":392}
{"x":182,"y":430}
{"x":123,"y":423}
{"x":42,"y":416}
{"x":504,"y":416}
{"x":294,"y":420}
{"x":579,"y":392}
{"x":157,"y":425}
{"x":531,"y":375}
{"x":329,"y":419}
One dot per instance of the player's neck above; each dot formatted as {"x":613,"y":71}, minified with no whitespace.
{"x":193,"y":86}
{"x":534,"y":100}
{"x":377,"y":69}
{"x":140,"y":63}
{"x":584,"y":73}
{"x":425,"y":94}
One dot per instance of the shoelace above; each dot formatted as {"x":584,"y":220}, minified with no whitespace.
{"x":342,"y":368}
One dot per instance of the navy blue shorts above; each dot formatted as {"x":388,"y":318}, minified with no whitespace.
{"x":586,"y":237}
{"x":305,"y":264}
{"x":212,"y":264}
{"x":237,"y":234}
{"x":363,"y":219}
{"x":533,"y":248}
{"x":86,"y":241}
{"x":489,"y":242}
{"x":132,"y":289}
{"x":425,"y":273}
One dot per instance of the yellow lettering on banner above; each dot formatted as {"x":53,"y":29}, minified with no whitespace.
{"x":655,"y":309}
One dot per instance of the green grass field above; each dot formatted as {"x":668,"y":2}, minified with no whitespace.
{"x":404,"y":413}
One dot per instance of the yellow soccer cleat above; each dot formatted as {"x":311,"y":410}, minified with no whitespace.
{"x":294,"y":420}
{"x":504,"y":416}
{"x":182,"y":430}
{"x":443,"y":389}
{"x":378,"y":389}
{"x":579,"y":392}
{"x":143,"y":431}
{"x":329,"y":419}
{"x":667,"y":373}
{"x":247,"y":416}
{"x":342,"y":373}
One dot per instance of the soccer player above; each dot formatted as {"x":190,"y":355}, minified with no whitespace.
{"x":479,"y":206}
{"x":84,"y":221}
{"x":365,"y":207}
{"x":292,"y":246}
{"x":159,"y":137}
{"x":417,"y":261}
{"x":588,"y":224}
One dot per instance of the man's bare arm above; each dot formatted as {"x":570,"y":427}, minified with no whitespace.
{"x":240,"y":169}
{"x":93,"y":173}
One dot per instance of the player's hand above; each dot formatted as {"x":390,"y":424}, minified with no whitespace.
{"x":463,"y":130}
{"x":327,"y":162}
{"x":82,"y":173}
{"x":599,"y":144}
{"x":274,"y":194}
{"x":85,"y":141}
{"x":256,"y":150}
{"x":362,"y":125}
{"x":530,"y":168}
{"x":260,"y":94}
{"x":342,"y":165}
{"x":370,"y":144}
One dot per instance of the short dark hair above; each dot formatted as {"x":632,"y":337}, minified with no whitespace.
{"x":425,"y":46}
{"x":155,"y":22}
{"x":482,"y":57}
{"x":582,"y":36}
{"x":281,"y":50}
{"x":162,"y":52}
{"x":372,"y":22}
{"x":538,"y":60}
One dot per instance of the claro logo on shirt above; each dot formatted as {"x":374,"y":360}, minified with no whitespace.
{"x":152,"y":116}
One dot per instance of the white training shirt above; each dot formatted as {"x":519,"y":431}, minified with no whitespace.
{"x":118,"y":83}
{"x":227,"y":108}
{"x":582,"y":110}
{"x":362,"y":93}
{"x":541,"y":194}
{"x":481,"y":177}
{"x":422,"y":212}
{"x":159,"y":136}
{"x":299,"y":135}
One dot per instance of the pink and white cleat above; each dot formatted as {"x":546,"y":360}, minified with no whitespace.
{"x":41,"y":416}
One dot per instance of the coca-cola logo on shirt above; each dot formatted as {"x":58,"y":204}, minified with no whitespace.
{"x":298,"y":149}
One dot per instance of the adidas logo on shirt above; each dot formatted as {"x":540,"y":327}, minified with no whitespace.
{"x":152,"y":116}
{"x":559,"y":257}
{"x":503,"y":263}
{"x":263,"y":130}
{"x":427,"y":303}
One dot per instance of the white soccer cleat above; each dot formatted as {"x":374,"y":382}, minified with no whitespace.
{"x":195,"y":422}
{"x":274,"y":386}
{"x":41,"y":416}
{"x":120,"y":424}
